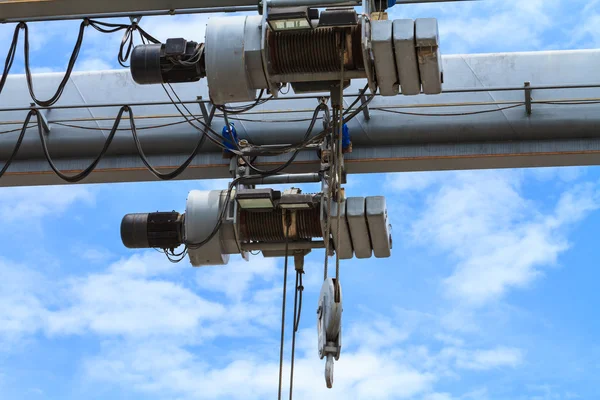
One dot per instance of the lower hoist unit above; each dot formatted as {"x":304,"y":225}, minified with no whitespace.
{"x":241,"y":220}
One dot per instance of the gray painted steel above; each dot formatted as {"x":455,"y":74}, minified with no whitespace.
{"x":552,"y":135}
{"x":26,"y":9}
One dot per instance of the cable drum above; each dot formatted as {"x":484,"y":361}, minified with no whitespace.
{"x":313,"y":51}
{"x":269,"y":227}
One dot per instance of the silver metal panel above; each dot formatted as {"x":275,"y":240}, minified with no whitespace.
{"x":430,"y":59}
{"x":344,"y":247}
{"x":201,"y":215}
{"x":383,"y":53}
{"x":359,"y":229}
{"x":225,"y":65}
{"x":407,"y":63}
{"x":379,"y":227}
{"x":253,"y":53}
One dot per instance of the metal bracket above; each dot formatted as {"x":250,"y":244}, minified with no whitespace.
{"x":136,"y":19}
{"x":43,"y":120}
{"x":528,"y":98}
{"x":363,"y":101}
{"x":206,"y":115}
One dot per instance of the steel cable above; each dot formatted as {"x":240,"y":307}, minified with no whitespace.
{"x":285,"y":274}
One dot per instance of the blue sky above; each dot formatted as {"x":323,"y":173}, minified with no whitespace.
{"x":491,"y":292}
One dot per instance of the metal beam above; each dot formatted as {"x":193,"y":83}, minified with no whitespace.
{"x":28,"y":10}
{"x":472,"y":126}
{"x":52,"y":10}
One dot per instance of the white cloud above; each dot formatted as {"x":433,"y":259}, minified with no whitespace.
{"x":499,"y":238}
{"x":174,"y":372}
{"x":93,"y":64}
{"x":414,"y":181}
{"x":94,"y":255}
{"x":21,"y":305}
{"x":234,"y":279}
{"x":127,"y":301}
{"x":488,"y":359}
{"x":31,"y":203}
{"x":438,"y":396}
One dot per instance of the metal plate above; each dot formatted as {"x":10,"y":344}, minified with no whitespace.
{"x":407,"y":63}
{"x":383,"y":53}
{"x":359,"y":230}
{"x":201,"y":217}
{"x":379,"y":227}
{"x":344,"y":247}
{"x":430,"y":59}
{"x":225,"y":65}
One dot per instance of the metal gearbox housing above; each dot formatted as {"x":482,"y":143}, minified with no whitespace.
{"x":203,"y":211}
{"x":233,"y":69}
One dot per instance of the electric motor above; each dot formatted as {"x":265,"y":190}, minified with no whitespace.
{"x":161,"y":230}
{"x":176,"y":61}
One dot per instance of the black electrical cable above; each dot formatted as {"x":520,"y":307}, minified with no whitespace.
{"x":61,"y":87}
{"x":297,"y":313}
{"x":95,"y":128}
{"x":207,"y":129}
{"x":171,"y":175}
{"x":285,"y":274}
{"x":242,"y":109}
{"x":86,"y":172}
{"x":358,"y":98}
{"x":463,"y":114}
{"x":127,"y":43}
{"x":318,"y":109}
{"x":10,"y":57}
{"x":18,"y":144}
{"x":172,"y":257}
{"x":196,"y":246}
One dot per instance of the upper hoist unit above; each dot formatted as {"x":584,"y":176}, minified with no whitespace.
{"x":314,"y":50}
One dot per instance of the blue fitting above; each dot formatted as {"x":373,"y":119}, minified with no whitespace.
{"x":391,"y":3}
{"x":228,"y":137}
{"x":346,"y":138}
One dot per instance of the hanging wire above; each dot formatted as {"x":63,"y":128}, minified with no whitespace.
{"x":61,"y":87}
{"x":17,"y":144}
{"x":297,"y":314}
{"x":320,"y":108}
{"x":463,"y":114}
{"x":285,"y":274}
{"x":10,"y":57}
{"x":127,"y":42}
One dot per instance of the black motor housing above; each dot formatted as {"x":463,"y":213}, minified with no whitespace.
{"x":176,"y":61}
{"x":160,"y":230}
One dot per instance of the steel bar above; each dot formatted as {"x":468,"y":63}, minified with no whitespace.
{"x":36,"y":10}
{"x":281,"y":246}
{"x":312,"y":3}
{"x":284,"y":179}
{"x":156,"y":13}
{"x":346,"y":95}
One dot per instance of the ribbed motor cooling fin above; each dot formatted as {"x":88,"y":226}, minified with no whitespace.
{"x":152,"y":230}
{"x":313,"y":51}
{"x":269,"y":226}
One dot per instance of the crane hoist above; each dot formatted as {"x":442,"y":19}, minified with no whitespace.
{"x":313,"y":50}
